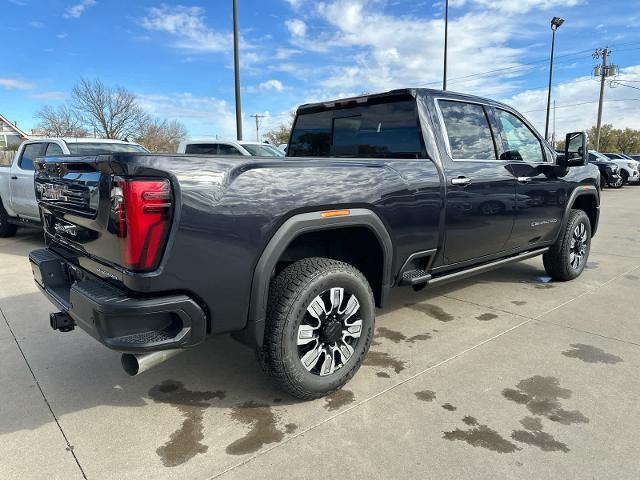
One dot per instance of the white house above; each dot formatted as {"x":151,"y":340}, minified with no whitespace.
{"x":10,"y":134}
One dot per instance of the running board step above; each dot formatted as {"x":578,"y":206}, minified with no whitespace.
{"x":415,"y":277}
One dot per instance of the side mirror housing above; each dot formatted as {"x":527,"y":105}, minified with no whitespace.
{"x":575,"y":150}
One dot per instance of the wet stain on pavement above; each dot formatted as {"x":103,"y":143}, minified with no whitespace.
{"x":383,"y":375}
{"x":632,"y":277}
{"x":541,"y":397}
{"x":263,"y":428}
{"x":448,"y":406}
{"x":519,"y":303}
{"x":419,"y":338}
{"x":185,"y":442}
{"x":534,"y":436}
{"x":485,"y":317}
{"x":481,"y":436}
{"x":432,"y":311}
{"x":290,"y":428}
{"x":339,"y":399}
{"x":591,"y":354}
{"x":592,"y":265}
{"x":426,"y":395}
{"x":392,"y":335}
{"x":383,"y":360}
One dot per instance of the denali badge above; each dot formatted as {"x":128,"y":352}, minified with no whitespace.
{"x":544,"y":222}
{"x":66,"y":228}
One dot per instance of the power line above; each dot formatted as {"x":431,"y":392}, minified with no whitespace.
{"x":258,"y":118}
{"x":585,"y":103}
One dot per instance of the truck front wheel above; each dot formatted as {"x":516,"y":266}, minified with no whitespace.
{"x":320,"y":321}
{"x":6,"y":229}
{"x":567,"y":258}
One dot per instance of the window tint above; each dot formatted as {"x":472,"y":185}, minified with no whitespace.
{"x":468,"y":131}
{"x":53,"y":149}
{"x":31,"y":151}
{"x":520,"y":143}
{"x":202,"y":149}
{"x":103,"y":148}
{"x":228,"y":150}
{"x":385,"y":130}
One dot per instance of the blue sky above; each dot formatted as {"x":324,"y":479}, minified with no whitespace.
{"x":177,"y":57}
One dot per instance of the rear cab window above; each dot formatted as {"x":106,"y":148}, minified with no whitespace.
{"x":202,"y":149}
{"x":379,"y":130}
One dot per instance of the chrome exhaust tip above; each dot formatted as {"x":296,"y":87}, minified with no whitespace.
{"x":136,"y":364}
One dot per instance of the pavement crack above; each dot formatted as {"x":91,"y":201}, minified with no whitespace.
{"x":69,"y":447}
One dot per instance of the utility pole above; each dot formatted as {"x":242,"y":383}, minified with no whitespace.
{"x":553,"y":135}
{"x":603,"y":75}
{"x":446,"y":40}
{"x":236,"y":65}
{"x":258,"y":118}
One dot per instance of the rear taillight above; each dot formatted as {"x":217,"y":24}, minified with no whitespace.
{"x":144,"y":209}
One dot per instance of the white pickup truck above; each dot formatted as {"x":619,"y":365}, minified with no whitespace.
{"x":17,"y":193}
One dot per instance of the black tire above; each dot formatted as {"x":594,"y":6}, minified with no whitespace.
{"x":558,"y":260}
{"x":625,"y":177}
{"x":616,"y":185}
{"x":291,"y":293}
{"x":6,"y":229}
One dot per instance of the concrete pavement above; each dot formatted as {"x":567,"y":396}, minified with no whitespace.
{"x":506,"y":375}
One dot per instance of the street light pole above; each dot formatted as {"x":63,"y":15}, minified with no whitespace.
{"x":446,"y":40}
{"x":555,"y":24}
{"x":236,"y":66}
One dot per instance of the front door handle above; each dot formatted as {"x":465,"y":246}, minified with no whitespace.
{"x":524,"y":179}
{"x":460,"y":181}
{"x":13,"y":177}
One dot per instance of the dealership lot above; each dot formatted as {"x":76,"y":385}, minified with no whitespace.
{"x":505,"y":375}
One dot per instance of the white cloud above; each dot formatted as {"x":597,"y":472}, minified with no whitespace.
{"x":49,"y":96}
{"x":267,"y":86}
{"x":296,"y":27}
{"x":15,"y":84}
{"x":188,"y":25}
{"x":285,"y":53}
{"x":295,"y":3}
{"x":76,"y":11}
{"x":577,"y":104}
{"x":62,"y":35}
{"x":524,"y":6}
{"x":36,"y":24}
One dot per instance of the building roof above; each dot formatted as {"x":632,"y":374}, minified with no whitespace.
{"x":13,"y":127}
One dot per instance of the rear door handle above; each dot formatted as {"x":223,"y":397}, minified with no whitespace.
{"x":460,"y":181}
{"x":524,"y":179}
{"x":13,"y":177}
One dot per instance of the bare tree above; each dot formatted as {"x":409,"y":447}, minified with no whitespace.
{"x":112,"y":112}
{"x":60,"y":122}
{"x":280,"y":135}
{"x":161,"y":135}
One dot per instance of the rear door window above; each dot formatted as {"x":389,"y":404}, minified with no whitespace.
{"x":30,"y":152}
{"x":202,"y":149}
{"x":384,"y":130}
{"x":53,"y":149}
{"x":468,"y":131}
{"x":228,"y":150}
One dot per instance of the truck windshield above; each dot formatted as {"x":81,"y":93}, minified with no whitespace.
{"x":100,"y":148}
{"x":386,"y":130}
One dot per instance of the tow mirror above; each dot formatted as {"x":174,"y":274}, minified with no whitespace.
{"x":575,"y":150}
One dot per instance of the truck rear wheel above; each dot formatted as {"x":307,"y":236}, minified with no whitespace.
{"x":568,"y":256}
{"x":6,"y":229}
{"x":320,"y":321}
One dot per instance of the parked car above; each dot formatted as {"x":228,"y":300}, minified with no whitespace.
{"x":609,"y":170}
{"x":284,"y":147}
{"x":293,"y":255}
{"x":629,"y":168}
{"x":228,"y":148}
{"x":18,"y":204}
{"x":636,"y":157}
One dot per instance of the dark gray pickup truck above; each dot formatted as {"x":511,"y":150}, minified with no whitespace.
{"x":151,"y":254}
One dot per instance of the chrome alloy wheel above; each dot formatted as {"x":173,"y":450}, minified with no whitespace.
{"x":327,"y":336}
{"x":578,"y":247}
